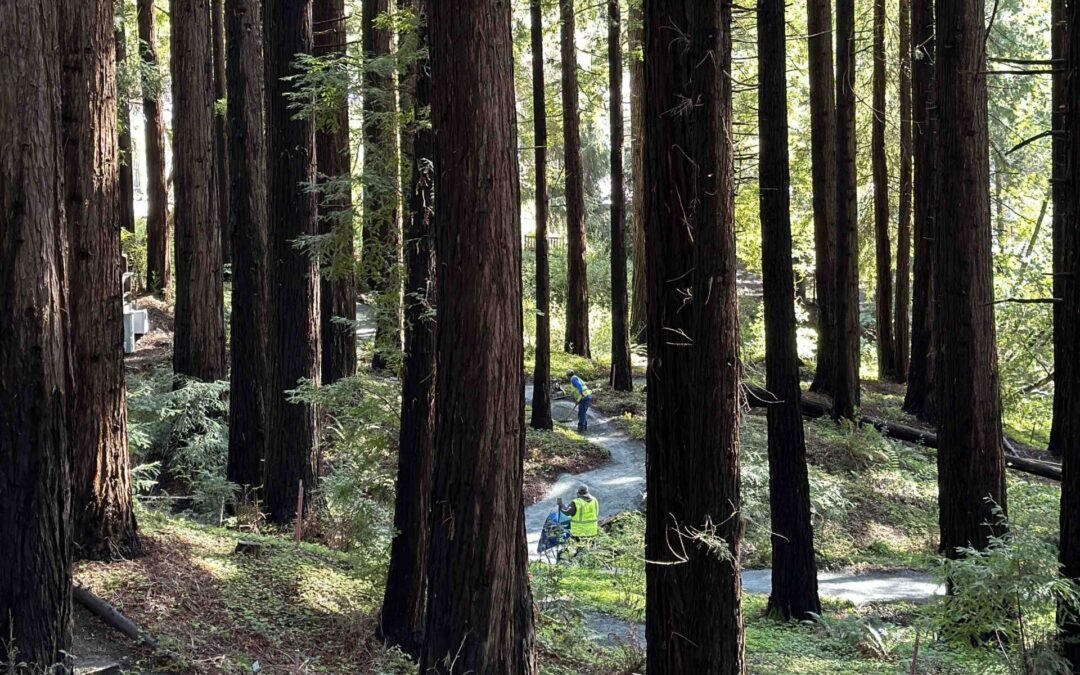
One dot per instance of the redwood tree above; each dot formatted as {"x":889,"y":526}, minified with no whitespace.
{"x":637,"y":174}
{"x":1059,"y":194}
{"x":35,"y":386}
{"x":883,"y":297}
{"x":480,"y":609}
{"x":103,"y":516}
{"x":290,"y":151}
{"x":794,"y":570}
{"x":199,"y":341}
{"x":621,"y":377}
{"x":970,"y":461}
{"x":693,"y":622}
{"x":125,"y":212}
{"x":252,"y":387}
{"x":577,"y":280}
{"x":158,"y":236}
{"x":901,"y":341}
{"x":541,"y":400}
{"x":221,"y":151}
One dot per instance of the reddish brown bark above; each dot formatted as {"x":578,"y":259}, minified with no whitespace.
{"x":621,"y":377}
{"x":577,"y":303}
{"x":884,"y":288}
{"x":637,"y":174}
{"x":221,"y":150}
{"x":125,"y":211}
{"x":1059,"y":195}
{"x":541,"y":400}
{"x":901,"y":343}
{"x":158,"y":235}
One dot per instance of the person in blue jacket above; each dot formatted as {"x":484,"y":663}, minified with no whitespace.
{"x":583,"y":397}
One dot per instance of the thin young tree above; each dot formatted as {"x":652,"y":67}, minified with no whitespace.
{"x":125,"y":212}
{"x":480,"y":608}
{"x":103,"y":526}
{"x":290,"y":149}
{"x":252,"y":386}
{"x":823,"y":176}
{"x":621,"y":377}
{"x":693,"y":622}
{"x":971,"y":468}
{"x":794,"y":576}
{"x":636,"y":33}
{"x":577,"y":302}
{"x":158,"y":236}
{"x":541,"y":400}
{"x":35,"y":394}
{"x":845,"y":380}
{"x":919,"y":398}
{"x":221,"y":150}
{"x":882,"y":212}
{"x":199,"y":342}
{"x":334,"y":157}
{"x":901,"y":341}
{"x":1059,"y":194}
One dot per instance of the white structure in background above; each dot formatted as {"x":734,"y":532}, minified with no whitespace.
{"x":136,"y":322}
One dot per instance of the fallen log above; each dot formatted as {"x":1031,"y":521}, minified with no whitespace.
{"x":758,"y":397}
{"x":110,"y":616}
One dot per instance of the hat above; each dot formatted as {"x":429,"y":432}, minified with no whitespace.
{"x":583,"y":490}
{"x":569,"y":373}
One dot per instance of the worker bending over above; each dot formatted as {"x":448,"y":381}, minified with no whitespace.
{"x":584,"y":512}
{"x":583,"y":397}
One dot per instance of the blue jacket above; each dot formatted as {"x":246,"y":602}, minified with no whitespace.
{"x":581,"y":392}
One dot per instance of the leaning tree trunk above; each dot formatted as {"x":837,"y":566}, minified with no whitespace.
{"x":158,"y":237}
{"x":971,"y":466}
{"x":693,"y":622}
{"x":883,"y":297}
{"x":794,"y":576}
{"x":103,"y":516}
{"x":845,"y":380}
{"x":823,"y":172}
{"x":35,"y":386}
{"x":577,"y":280}
{"x":335,"y":162}
{"x":541,"y":400}
{"x":480,"y":609}
{"x":901,"y":341}
{"x":125,"y":212}
{"x":621,"y":377}
{"x":637,"y":175}
{"x":252,"y":387}
{"x":199,"y":342}
{"x":291,"y":455}
{"x":1059,"y":195}
{"x":919,"y":399}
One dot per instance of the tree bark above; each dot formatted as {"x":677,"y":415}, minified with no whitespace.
{"x":621,"y":377}
{"x":1059,"y":196}
{"x":638,"y":313}
{"x":480,"y":608}
{"x":125,"y":212}
{"x":919,"y":399}
{"x":845,"y":380}
{"x":291,"y":455}
{"x":35,"y":384}
{"x":577,"y":280}
{"x":335,"y":162}
{"x":794,"y":577}
{"x":158,"y":237}
{"x":252,"y":387}
{"x":382,"y":234}
{"x":693,"y":622}
{"x":199,"y":341}
{"x":970,"y":462}
{"x":901,"y":342}
{"x":103,"y":517}
{"x":221,"y":150}
{"x":541,"y":400}
{"x":402,"y":621}
{"x":823,"y":172}
{"x":884,"y":288}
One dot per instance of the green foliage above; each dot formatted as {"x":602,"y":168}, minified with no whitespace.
{"x":133,"y":245}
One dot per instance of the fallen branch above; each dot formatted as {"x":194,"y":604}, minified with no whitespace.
{"x":110,"y":616}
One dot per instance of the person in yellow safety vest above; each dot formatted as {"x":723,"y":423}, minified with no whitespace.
{"x":583,"y":397}
{"x":584,"y":512}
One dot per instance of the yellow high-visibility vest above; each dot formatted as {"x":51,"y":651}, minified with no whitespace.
{"x":584,"y":521}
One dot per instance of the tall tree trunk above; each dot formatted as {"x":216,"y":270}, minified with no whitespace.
{"x":636,"y":32}
{"x":693,"y":622}
{"x":221,"y":150}
{"x":199,"y":342}
{"x":845,"y":381}
{"x":382,"y":234}
{"x":884,"y":289}
{"x":125,"y":212}
{"x":291,"y":455}
{"x":35,"y":386}
{"x":621,"y":377}
{"x":1059,"y":194}
{"x":901,"y":342}
{"x":823,"y":172}
{"x":335,"y":162}
{"x":577,"y":280}
{"x":919,"y":399}
{"x":971,"y":465}
{"x":406,"y":583}
{"x":541,"y":400}
{"x":252,"y":388}
{"x":158,"y":237}
{"x":794,"y":577}
{"x":480,"y":608}
{"x":104,"y":519}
